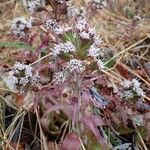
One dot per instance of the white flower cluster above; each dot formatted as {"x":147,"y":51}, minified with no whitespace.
{"x":134,"y":85}
{"x":85,"y":32}
{"x":60,"y":1}
{"x":33,"y":5}
{"x":53,"y":25}
{"x":72,"y":10}
{"x":127,"y":94}
{"x":20,"y":75}
{"x":60,"y":77}
{"x":63,"y":47}
{"x":81,"y":24}
{"x":101,"y":64}
{"x":95,"y":52}
{"x":19,"y":25}
{"x":99,"y":3}
{"x":76,"y":65}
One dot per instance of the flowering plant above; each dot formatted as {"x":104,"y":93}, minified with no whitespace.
{"x":67,"y":81}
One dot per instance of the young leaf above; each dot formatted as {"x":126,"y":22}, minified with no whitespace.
{"x":15,"y":45}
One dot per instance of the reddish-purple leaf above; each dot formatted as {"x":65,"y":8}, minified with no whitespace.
{"x":74,"y":111}
{"x":86,"y":97}
{"x":45,"y":67}
{"x":53,"y":108}
{"x":71,"y":142}
{"x":92,"y":122}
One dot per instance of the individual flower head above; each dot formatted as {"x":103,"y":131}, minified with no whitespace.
{"x":137,"y":88}
{"x":127,"y":94}
{"x":63,"y":47}
{"x":76,"y":66}
{"x":97,"y":40}
{"x":94,"y":52}
{"x":54,"y":26}
{"x":20,"y":25}
{"x":85,"y":35}
{"x":126,"y":83}
{"x":11,"y":81}
{"x":60,"y":77}
{"x":98,"y":4}
{"x":26,"y":69}
{"x":60,"y":1}
{"x":81,"y":24}
{"x":101,"y":64}
{"x":72,"y":10}
{"x":134,"y":86}
{"x":85,"y":32}
{"x":51,"y":23}
{"x":33,"y":5}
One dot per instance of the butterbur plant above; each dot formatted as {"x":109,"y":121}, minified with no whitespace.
{"x":63,"y":76}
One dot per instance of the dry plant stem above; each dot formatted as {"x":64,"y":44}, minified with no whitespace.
{"x":43,"y":139}
{"x":106,"y":72}
{"x":141,"y":139}
{"x":8,"y":103}
{"x":40,"y":59}
{"x":139,"y":57}
{"x":82,"y":145}
{"x":116,"y":16}
{"x":127,"y":49}
{"x":13,"y":129}
{"x":66,"y":123}
{"x":56,"y":146}
{"x":20,"y":132}
{"x":9,"y":130}
{"x":11,"y":134}
{"x":3,"y":89}
{"x":133,"y":72}
{"x":140,"y":146}
{"x":78,"y":84}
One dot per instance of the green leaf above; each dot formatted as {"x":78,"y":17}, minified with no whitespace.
{"x":109,"y":63}
{"x":15,"y":45}
{"x":96,"y":147}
